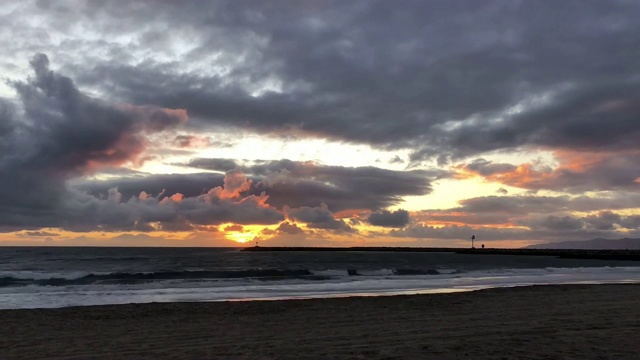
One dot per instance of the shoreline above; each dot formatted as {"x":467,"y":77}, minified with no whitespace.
{"x":533,"y":322}
{"x":377,"y":285}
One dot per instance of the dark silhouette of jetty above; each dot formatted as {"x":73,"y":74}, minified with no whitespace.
{"x":560,"y":253}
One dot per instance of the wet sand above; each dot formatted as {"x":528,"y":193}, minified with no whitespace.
{"x":542,"y":322}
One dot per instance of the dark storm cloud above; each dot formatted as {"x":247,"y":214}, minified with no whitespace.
{"x":443,"y":78}
{"x":298,"y":184}
{"x":397,"y":219}
{"x":318,"y":218}
{"x":62,"y":133}
{"x":287,"y":183}
{"x":307,"y":214}
{"x":289,"y":228}
{"x":604,"y":220}
{"x":608,"y":220}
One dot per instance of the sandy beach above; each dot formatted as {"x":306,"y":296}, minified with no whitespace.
{"x":544,"y":322}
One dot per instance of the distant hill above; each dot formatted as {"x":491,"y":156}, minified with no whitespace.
{"x":593,"y":244}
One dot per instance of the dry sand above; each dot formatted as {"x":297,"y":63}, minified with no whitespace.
{"x":545,"y":322}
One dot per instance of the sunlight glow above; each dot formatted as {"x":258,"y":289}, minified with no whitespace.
{"x":241,"y":237}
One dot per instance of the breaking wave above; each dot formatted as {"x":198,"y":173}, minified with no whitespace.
{"x":59,"y":279}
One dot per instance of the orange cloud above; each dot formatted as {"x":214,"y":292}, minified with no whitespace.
{"x":595,"y":170}
{"x":235,"y":183}
{"x":524,"y":176}
{"x":177,"y":197}
{"x":350,"y":213}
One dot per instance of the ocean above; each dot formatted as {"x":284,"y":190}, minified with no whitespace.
{"x":49,"y":277}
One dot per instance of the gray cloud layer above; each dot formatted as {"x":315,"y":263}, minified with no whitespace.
{"x":54,"y":132}
{"x":397,"y":219}
{"x":296,"y":183}
{"x":454,"y":78}
{"x":446,"y":80}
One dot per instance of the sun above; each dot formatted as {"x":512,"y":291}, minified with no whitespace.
{"x":240,"y":237}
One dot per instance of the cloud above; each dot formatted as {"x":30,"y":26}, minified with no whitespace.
{"x":607,"y":222}
{"x":604,"y":220}
{"x":60,"y":133}
{"x":53,"y":132}
{"x":396,"y":160}
{"x":289,"y":228}
{"x":191,"y":141}
{"x":190,"y":185}
{"x":455,"y":232}
{"x":488,"y":168}
{"x":318,"y":218}
{"x":525,"y":204}
{"x":576,"y":172}
{"x":298,"y":183}
{"x":560,"y":223}
{"x":307,"y":214}
{"x":398,"y":218}
{"x":146,"y":212}
{"x":511,"y":75}
{"x":530,"y":76}
{"x":216,"y":164}
{"x":531,"y":218}
{"x":287,"y":183}
{"x":554,"y":229}
{"x":235,"y":228}
{"x":37,"y":234}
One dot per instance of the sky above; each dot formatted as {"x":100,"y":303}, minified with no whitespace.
{"x":319,"y":123}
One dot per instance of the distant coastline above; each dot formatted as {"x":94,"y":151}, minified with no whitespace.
{"x":561,"y":253}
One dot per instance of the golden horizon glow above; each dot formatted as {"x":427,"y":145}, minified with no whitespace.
{"x":242,"y":237}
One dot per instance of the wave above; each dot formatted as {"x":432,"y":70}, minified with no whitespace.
{"x":34,"y":296}
{"x":59,"y":279}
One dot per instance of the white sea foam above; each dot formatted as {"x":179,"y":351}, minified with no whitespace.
{"x":374,"y":284}
{"x":378,"y":272}
{"x":331,"y":272}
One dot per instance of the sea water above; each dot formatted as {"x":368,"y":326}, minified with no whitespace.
{"x":49,"y":277}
